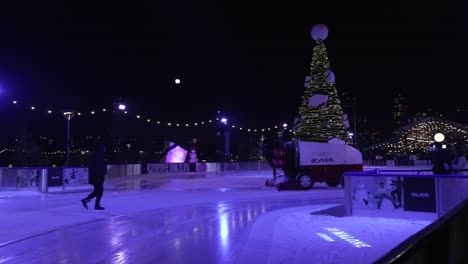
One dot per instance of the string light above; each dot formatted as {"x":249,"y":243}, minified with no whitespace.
{"x":210,"y":121}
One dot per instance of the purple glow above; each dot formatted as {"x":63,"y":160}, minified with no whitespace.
{"x":176,"y":155}
{"x":224,"y":120}
{"x":122,"y":107}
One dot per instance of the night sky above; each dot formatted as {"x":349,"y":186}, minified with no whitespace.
{"x":247,"y":60}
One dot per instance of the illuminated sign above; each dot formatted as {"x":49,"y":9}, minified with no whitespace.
{"x":326,"y":237}
{"x":347,"y":237}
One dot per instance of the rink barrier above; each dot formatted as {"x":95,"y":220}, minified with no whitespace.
{"x":443,"y":241}
{"x":403,"y":190}
{"x":61,"y":179}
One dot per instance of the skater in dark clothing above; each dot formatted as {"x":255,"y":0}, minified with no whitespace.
{"x":268,"y":146}
{"x":97,"y":169}
{"x":441,"y":162}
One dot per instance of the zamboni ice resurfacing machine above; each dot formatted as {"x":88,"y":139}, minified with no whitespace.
{"x":304,"y":163}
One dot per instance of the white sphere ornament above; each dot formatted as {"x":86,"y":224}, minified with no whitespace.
{"x":319,"y":32}
{"x":439,"y":137}
{"x":330,"y":76}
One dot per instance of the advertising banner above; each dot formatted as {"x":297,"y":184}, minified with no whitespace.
{"x":54,"y":176}
{"x":419,"y":194}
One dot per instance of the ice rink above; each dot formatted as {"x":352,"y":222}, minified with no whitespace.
{"x":231,"y":218}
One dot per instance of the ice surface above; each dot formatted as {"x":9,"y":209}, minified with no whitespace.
{"x":232,"y":218}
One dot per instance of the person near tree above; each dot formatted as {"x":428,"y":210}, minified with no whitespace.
{"x":441,"y":162}
{"x":97,"y":170}
{"x":459,"y":161}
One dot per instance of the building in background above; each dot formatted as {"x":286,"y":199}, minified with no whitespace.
{"x":418,"y":137}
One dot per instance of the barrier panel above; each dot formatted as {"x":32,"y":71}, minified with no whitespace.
{"x":390,"y":193}
{"x":58,"y":179}
{"x":443,"y":241}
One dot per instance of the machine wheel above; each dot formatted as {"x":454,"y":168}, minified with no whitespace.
{"x":304,"y":181}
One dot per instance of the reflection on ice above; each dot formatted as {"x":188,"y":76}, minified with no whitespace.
{"x":120,"y":257}
{"x":223,"y":225}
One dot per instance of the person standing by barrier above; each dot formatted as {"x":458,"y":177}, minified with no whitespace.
{"x":459,"y":161}
{"x":441,"y":162}
{"x":97,"y":170}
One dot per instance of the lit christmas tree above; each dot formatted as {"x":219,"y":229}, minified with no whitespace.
{"x":321,"y":115}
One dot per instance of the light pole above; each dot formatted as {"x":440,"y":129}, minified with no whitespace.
{"x":227,"y":140}
{"x":119,"y":106}
{"x":68,"y":116}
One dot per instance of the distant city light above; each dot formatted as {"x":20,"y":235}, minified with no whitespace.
{"x":177,"y":81}
{"x":15,"y":102}
{"x":285,"y":125}
{"x":224,"y":120}
{"x":50,"y":111}
{"x":33,"y":108}
{"x":122,"y":107}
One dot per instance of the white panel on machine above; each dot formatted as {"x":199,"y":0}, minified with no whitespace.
{"x":314,"y":153}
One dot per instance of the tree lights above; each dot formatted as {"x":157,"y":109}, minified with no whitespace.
{"x":321,"y":115}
